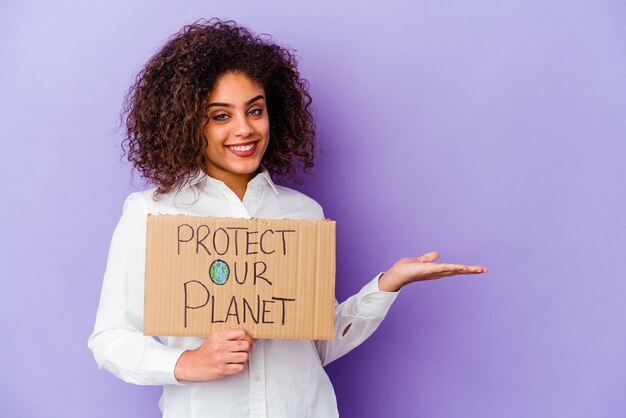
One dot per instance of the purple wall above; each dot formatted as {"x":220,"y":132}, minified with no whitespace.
{"x":494,"y":133}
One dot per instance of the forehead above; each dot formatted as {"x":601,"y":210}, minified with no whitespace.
{"x":234,"y":88}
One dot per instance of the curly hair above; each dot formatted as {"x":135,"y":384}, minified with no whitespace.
{"x":165,"y":110}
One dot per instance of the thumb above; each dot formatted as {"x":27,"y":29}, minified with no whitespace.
{"x":429,"y":257}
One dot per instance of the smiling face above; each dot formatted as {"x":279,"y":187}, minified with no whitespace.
{"x":237,"y":130}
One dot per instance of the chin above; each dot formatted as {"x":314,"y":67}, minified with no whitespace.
{"x":247,"y":168}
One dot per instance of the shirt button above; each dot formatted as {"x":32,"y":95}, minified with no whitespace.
{"x":257,"y":378}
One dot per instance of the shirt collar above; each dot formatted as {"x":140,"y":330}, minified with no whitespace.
{"x":263,"y":176}
{"x":266,"y":175}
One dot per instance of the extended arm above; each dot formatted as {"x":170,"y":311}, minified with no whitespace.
{"x":359,"y":316}
{"x":355,"y":320}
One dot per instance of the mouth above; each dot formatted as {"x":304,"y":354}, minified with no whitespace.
{"x":245,"y":149}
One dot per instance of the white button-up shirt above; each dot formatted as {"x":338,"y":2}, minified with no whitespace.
{"x":283,"y":378}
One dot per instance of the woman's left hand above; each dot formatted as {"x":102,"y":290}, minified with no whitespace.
{"x":408,"y":270}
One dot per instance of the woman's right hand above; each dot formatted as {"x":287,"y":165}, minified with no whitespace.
{"x":222,"y":354}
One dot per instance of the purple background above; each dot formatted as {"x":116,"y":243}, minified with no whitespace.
{"x":492,"y":132}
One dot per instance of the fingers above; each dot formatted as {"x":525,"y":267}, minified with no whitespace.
{"x":223,"y":353}
{"x":231,"y":350}
{"x":237,"y":349}
{"x":233,"y":368}
{"x":222,"y":358}
{"x":475,"y":269}
{"x":234,"y":358}
{"x":247,"y":338}
{"x":460,"y":268}
{"x":227,"y":369}
{"x":432,"y":256}
{"x":454,"y":272}
{"x":233,"y":339}
{"x":239,"y":346}
{"x":233,"y":334}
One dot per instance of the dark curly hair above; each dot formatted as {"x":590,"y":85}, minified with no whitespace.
{"x":165,"y":109}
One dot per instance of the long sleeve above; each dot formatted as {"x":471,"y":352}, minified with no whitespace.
{"x":362,"y":313}
{"x":117,"y":342}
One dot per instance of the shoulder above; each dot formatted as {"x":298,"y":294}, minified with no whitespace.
{"x":138,"y":201}
{"x":173,"y":202}
{"x":302,"y":202}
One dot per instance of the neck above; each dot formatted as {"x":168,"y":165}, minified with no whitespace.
{"x":238,"y":183}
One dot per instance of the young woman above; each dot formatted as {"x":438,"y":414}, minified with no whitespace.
{"x":211,"y":119}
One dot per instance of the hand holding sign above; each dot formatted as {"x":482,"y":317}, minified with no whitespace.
{"x":408,"y":270}
{"x":222,"y":354}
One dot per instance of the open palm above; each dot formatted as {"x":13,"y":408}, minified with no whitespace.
{"x":413,"y":269}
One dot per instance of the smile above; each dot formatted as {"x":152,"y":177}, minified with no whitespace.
{"x":243,"y":150}
{"x":242,"y":147}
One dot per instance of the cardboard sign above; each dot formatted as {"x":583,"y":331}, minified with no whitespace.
{"x":273,"y":278}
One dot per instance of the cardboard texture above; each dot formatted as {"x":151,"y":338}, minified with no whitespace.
{"x":274,"y":278}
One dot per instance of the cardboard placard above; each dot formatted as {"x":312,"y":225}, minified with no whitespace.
{"x":274,"y":278}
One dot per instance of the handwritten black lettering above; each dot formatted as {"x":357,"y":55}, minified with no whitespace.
{"x":250,"y":243}
{"x":245,"y":274}
{"x":215,"y":241}
{"x":213,"y":320}
{"x":187,"y":306}
{"x":283,"y":303}
{"x":199,"y":241}
{"x":233,"y":303}
{"x":261,"y":242}
{"x":257,"y":274}
{"x":282,"y":233}
{"x":184,"y":240}
{"x":236,"y":229}
{"x":255,"y":319}
{"x":266,"y":311}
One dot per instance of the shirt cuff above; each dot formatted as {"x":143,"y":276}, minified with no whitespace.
{"x":164,"y":361}
{"x":373,"y":302}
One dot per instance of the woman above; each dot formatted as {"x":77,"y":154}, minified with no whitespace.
{"x":212,"y":117}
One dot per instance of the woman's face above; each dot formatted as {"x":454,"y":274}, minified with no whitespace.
{"x":238,"y":128}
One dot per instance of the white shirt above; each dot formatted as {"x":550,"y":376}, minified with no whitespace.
{"x":283,"y":378}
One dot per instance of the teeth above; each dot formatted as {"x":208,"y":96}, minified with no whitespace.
{"x":242,"y":148}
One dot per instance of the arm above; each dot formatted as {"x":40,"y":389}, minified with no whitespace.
{"x":355,"y":320}
{"x":359,"y":316}
{"x":117,"y":341}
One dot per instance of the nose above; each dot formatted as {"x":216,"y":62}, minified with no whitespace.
{"x":243,"y":127}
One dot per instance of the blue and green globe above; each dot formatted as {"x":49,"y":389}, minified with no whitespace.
{"x":219,"y":272}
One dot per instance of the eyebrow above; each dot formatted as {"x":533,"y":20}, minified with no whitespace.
{"x":254,"y":99}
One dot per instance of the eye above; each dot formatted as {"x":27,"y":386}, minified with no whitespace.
{"x":220,"y":117}
{"x":255,"y":112}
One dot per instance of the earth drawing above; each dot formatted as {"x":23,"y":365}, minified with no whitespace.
{"x":219,"y":272}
